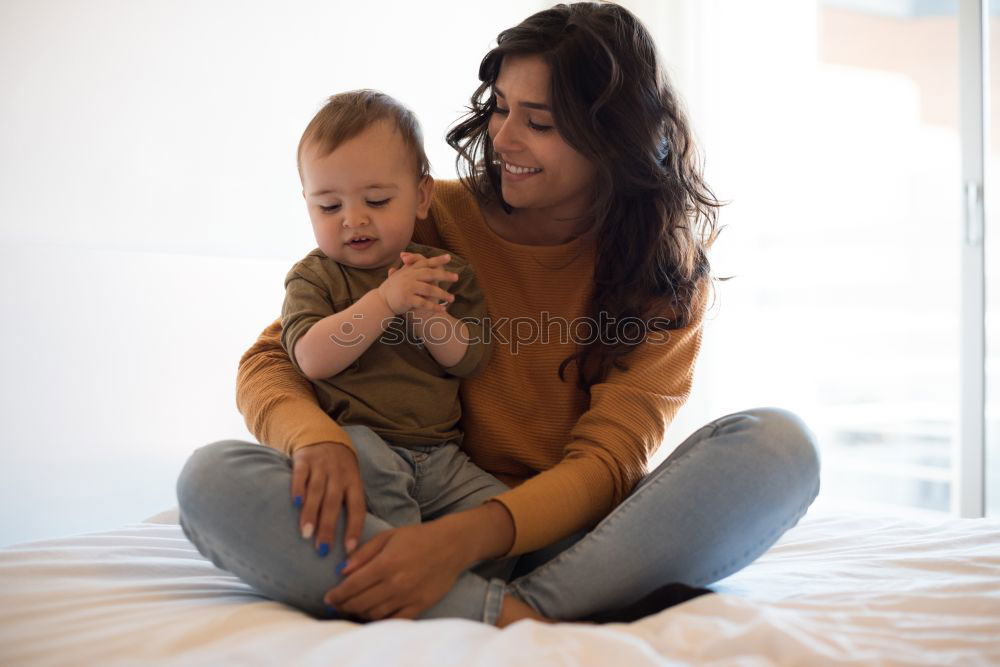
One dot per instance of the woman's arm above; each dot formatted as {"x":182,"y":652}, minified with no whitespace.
{"x":278,"y":404}
{"x":628,"y":417}
{"x":610,"y":443}
{"x":479,"y":534}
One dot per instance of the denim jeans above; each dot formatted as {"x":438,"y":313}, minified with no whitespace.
{"x":407,"y":485}
{"x":719,"y":501}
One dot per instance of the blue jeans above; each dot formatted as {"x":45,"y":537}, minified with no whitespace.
{"x":719,"y":501}
{"x":407,"y":485}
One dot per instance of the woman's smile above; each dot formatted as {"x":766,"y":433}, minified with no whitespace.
{"x":517,"y":173}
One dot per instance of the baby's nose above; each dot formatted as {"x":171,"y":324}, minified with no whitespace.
{"x":355,"y":219}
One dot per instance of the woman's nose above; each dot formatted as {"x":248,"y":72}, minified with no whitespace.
{"x":505,"y":140}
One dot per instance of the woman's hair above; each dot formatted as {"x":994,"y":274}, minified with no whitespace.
{"x":655,"y":217}
{"x":346,"y":115}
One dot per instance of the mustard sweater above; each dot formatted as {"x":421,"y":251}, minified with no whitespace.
{"x":570,"y":459}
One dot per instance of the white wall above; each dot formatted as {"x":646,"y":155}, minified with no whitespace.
{"x":172,"y":126}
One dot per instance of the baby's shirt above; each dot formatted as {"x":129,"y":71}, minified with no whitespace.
{"x":395,"y":386}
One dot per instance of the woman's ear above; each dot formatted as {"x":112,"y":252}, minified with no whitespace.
{"x":424,"y":191}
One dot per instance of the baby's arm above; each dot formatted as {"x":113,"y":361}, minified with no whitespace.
{"x":456,"y":338}
{"x":334,"y":342}
{"x":320,"y":342}
{"x":444,"y":336}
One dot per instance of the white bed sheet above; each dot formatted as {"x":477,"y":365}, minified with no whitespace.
{"x":836,"y":589}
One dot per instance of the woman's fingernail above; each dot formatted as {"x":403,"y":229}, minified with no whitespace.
{"x":298,"y":501}
{"x":307,"y":531}
{"x":340,"y":568}
{"x":324,"y":549}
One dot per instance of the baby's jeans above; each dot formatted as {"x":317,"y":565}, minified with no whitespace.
{"x":719,"y":501}
{"x":414,"y":484}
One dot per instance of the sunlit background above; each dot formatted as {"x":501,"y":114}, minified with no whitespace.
{"x":150,"y":209}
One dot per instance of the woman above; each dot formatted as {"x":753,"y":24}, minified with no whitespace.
{"x":581,"y":203}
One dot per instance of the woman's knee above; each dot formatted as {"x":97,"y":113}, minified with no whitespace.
{"x":789,"y":438}
{"x":212,"y":468}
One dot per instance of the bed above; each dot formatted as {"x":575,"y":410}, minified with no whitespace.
{"x":837,"y":588}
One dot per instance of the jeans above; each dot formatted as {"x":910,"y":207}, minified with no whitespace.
{"x":407,"y":485}
{"x":719,"y":501}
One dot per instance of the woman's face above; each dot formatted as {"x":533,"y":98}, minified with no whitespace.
{"x":538,"y":169}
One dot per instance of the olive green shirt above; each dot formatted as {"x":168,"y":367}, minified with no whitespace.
{"x":395,"y":387}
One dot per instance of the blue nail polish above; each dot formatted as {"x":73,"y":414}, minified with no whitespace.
{"x":324,"y":548}
{"x":340,"y":568}
{"x":330,"y":608}
{"x":298,"y":501}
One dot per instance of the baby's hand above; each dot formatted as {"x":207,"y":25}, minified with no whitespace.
{"x":416,"y":259}
{"x":414,"y":286}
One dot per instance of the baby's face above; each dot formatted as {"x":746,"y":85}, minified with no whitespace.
{"x":364,"y":197}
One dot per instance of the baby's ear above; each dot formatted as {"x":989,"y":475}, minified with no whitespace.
{"x":424,"y":191}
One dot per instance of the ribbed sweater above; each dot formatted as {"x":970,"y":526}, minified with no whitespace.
{"x":569,"y":458}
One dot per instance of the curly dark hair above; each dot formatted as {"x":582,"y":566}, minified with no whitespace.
{"x":655,"y":217}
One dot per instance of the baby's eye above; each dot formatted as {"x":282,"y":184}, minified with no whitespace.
{"x":380,"y":202}
{"x":329,"y":209}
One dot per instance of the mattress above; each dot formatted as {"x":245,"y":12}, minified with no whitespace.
{"x":835,"y":589}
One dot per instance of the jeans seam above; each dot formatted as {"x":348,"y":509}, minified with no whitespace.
{"x":412,"y":462}
{"x":495,"y":590}
{"x":418,"y":475}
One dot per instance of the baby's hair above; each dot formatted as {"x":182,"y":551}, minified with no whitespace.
{"x":346,"y":115}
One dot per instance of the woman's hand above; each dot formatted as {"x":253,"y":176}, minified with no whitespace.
{"x":325,"y":476}
{"x":399,"y":573}
{"x":412,"y":287}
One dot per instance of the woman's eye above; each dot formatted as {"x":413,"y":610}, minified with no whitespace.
{"x":329,"y":209}
{"x":380,"y":202}
{"x":534,"y":126}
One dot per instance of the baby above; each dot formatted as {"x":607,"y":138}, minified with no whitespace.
{"x":382,"y":343}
